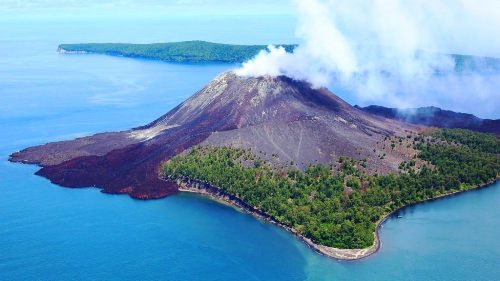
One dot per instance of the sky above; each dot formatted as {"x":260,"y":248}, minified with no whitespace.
{"x":129,"y":8}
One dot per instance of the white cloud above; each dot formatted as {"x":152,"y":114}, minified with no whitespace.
{"x":387,"y":51}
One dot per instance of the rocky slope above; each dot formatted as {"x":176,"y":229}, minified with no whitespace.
{"x":284,"y":120}
{"x":436,"y":117}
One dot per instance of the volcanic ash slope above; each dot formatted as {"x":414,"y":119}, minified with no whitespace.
{"x":285,"y":121}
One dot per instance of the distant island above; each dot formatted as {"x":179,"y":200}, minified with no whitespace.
{"x":299,"y":157}
{"x":181,"y":52}
{"x":197,"y":51}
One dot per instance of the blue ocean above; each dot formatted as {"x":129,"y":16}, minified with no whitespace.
{"x":53,"y":233}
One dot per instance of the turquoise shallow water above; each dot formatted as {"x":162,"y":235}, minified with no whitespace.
{"x":52,"y":233}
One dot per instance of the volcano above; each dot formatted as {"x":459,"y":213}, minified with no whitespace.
{"x":287,"y":121}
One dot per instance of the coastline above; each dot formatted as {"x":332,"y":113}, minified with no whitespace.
{"x":64,"y":51}
{"x":217,"y":194}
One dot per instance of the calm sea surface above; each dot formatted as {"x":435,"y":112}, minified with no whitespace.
{"x":52,"y":233}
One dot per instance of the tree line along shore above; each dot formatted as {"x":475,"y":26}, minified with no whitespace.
{"x":339,"y":205}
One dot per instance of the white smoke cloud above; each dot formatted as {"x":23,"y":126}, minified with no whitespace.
{"x":389,"y":51}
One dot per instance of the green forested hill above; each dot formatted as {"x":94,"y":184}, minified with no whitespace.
{"x":341,"y":207}
{"x":188,"y":51}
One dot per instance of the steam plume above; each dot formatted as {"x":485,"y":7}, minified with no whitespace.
{"x":392,"y":51}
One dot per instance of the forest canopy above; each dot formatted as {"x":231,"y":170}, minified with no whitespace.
{"x":342,"y":208}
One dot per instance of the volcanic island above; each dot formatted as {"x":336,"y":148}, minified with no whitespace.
{"x":290,"y":154}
